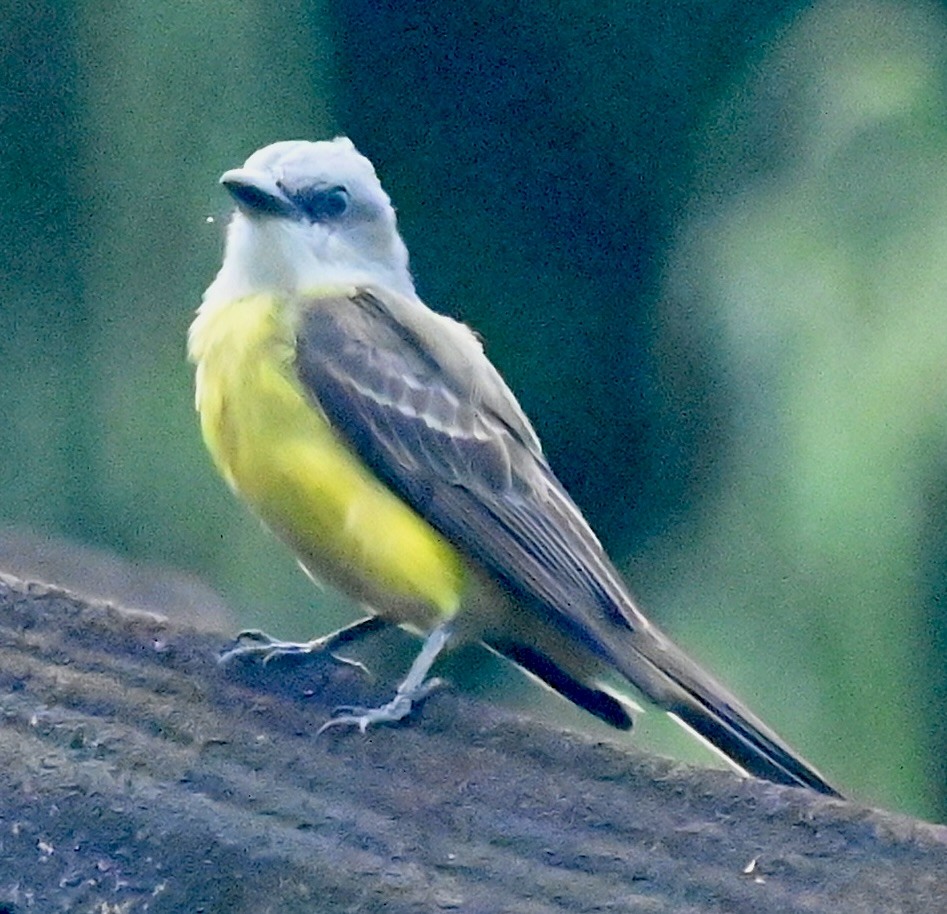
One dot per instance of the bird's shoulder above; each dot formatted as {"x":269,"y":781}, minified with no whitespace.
{"x":398,"y":340}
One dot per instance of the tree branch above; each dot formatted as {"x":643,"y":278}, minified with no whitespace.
{"x":137,"y":775}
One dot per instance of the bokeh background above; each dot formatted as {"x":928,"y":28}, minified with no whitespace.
{"x":705,"y":242}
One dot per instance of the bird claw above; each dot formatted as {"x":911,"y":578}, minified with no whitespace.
{"x":395,"y":710}
{"x":266,"y":649}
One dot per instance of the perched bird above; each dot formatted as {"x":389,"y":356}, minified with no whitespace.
{"x":377,"y":440}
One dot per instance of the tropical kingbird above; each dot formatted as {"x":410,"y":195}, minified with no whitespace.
{"x":375,"y":438}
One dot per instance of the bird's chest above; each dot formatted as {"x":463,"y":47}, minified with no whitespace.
{"x":275,"y":447}
{"x":268,"y":438}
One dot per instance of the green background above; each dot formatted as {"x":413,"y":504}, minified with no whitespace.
{"x":705,"y":242}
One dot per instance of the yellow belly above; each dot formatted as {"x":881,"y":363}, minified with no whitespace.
{"x":275,"y":449}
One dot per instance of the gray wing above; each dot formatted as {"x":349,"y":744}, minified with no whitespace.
{"x":446,"y":436}
{"x":414,"y":396}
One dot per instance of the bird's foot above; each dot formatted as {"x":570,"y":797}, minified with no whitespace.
{"x":395,"y":710}
{"x":255,"y":645}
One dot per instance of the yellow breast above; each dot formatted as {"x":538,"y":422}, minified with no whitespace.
{"x":276,"y":449}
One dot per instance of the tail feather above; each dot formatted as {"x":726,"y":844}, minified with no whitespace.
{"x":690,"y":696}
{"x":695,"y":699}
{"x":597,"y":702}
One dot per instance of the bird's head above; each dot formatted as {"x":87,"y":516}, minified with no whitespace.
{"x":310,"y":215}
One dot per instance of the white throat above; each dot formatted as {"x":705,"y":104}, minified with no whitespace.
{"x":279,"y":255}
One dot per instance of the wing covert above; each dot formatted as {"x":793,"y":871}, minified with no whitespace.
{"x":444,"y":444}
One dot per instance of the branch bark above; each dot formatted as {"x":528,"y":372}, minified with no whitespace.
{"x":137,"y":775}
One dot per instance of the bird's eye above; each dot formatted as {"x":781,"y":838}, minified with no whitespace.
{"x":320,"y":203}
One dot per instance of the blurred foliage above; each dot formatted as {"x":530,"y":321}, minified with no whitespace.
{"x":706,"y":243}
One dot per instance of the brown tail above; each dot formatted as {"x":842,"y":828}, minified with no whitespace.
{"x":604,"y":706}
{"x":663,"y":672}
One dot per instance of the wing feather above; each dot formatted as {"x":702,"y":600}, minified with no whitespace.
{"x":413,"y":394}
{"x":450,"y":451}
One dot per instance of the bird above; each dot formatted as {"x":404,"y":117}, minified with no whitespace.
{"x":376,"y":439}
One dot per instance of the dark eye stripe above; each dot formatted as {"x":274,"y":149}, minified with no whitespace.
{"x":319,"y":203}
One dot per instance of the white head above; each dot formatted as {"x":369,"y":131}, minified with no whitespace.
{"x":309,"y":215}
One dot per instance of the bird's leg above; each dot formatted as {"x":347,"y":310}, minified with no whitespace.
{"x":414,"y":688}
{"x":259,"y":645}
